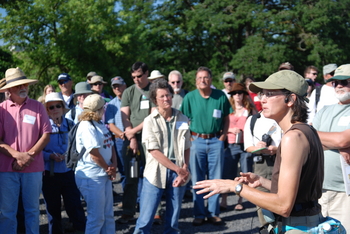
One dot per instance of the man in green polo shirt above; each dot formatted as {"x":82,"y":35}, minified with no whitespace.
{"x":208,"y":111}
{"x":135,"y":107}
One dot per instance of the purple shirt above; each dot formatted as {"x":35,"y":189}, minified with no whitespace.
{"x":21,"y":126}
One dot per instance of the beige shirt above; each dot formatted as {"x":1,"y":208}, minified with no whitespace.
{"x":155,"y":137}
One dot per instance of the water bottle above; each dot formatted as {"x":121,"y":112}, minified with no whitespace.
{"x":134,"y":168}
{"x":239,"y":137}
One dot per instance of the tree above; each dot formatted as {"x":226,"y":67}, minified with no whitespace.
{"x":71,"y":36}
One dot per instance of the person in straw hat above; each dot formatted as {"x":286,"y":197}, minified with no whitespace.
{"x":155,"y":74}
{"x":58,"y":180}
{"x":24,"y":131}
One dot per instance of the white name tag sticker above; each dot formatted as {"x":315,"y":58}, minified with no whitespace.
{"x":29,"y":119}
{"x":144,"y":104}
{"x":344,"y":121}
{"x":217,"y":113}
{"x":181,"y":125}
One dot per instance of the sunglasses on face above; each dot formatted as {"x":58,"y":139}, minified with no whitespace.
{"x":58,"y":106}
{"x":139,"y":76}
{"x":96,"y":84}
{"x":228,"y":81}
{"x":313,"y":73}
{"x":335,"y":83}
{"x":61,"y":82}
{"x":236,"y":92}
{"x":175,"y":82}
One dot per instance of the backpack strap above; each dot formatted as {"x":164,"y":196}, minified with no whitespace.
{"x":318,"y":94}
{"x":73,"y":113}
{"x":253,"y":121}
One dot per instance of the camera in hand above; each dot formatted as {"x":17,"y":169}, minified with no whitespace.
{"x":267,"y":139}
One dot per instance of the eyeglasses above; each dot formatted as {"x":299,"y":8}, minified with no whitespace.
{"x":96,"y":84}
{"x":139,"y":76}
{"x":269,"y":94}
{"x":313,"y":73}
{"x":335,"y":83}
{"x":176,"y":82}
{"x":236,"y":92}
{"x":168,"y":96}
{"x":227,"y":80}
{"x":116,"y":86}
{"x":58,"y":106}
{"x":61,"y":82}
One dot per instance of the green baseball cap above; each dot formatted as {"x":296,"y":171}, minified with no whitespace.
{"x":341,"y":73}
{"x":284,"y":79}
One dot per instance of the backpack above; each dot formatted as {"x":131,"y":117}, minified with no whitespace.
{"x":72,"y":156}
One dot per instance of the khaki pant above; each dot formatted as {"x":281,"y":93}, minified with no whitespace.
{"x":336,"y":205}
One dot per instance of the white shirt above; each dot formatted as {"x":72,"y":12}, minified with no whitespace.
{"x":327,"y":97}
{"x":262,"y":126}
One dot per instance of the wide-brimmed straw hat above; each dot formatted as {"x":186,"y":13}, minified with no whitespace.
{"x":155,"y":74}
{"x":15,"y":77}
{"x":54,"y":97}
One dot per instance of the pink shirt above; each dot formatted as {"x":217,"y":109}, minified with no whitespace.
{"x":21,"y":127}
{"x":238,"y":122}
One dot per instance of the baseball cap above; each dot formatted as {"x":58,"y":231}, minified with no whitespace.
{"x":329,"y":68}
{"x":341,"y":73}
{"x":286,"y":66}
{"x":284,"y":79}
{"x":117,"y":80}
{"x":93,"y":102}
{"x":64,"y":76}
{"x":229,"y":75}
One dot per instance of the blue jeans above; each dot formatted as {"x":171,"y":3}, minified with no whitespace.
{"x":30,"y":186}
{"x":55,"y":186}
{"x":234,"y":154}
{"x":206,"y":162}
{"x":98,"y":195}
{"x":149,"y":200}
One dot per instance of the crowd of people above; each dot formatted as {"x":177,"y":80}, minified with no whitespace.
{"x":277,"y":143}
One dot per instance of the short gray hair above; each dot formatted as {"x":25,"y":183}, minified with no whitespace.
{"x":175,"y":72}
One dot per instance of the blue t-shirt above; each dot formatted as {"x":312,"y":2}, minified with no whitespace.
{"x":113,"y":114}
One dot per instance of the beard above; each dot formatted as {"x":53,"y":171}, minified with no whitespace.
{"x":342,"y":97}
{"x":23,"y":94}
{"x":176,"y":90}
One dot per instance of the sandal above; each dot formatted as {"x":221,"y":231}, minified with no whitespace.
{"x":239,"y":207}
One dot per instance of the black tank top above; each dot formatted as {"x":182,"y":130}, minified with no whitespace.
{"x":311,"y":178}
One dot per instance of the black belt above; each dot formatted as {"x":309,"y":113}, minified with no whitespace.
{"x":206,"y":136}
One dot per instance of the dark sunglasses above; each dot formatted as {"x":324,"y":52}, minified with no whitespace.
{"x":139,"y":76}
{"x":98,"y":83}
{"x":61,"y":82}
{"x":236,"y":92}
{"x":175,"y":82}
{"x":227,"y":81}
{"x":313,"y":73}
{"x":58,"y":106}
{"x":335,"y":83}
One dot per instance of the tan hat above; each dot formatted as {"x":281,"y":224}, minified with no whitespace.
{"x":54,"y":97}
{"x":155,"y":74}
{"x":341,"y":73}
{"x":96,"y":79}
{"x":93,"y":102}
{"x":15,"y":77}
{"x":285,"y":79}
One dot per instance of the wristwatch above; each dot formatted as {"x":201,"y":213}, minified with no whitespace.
{"x":238,"y":188}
